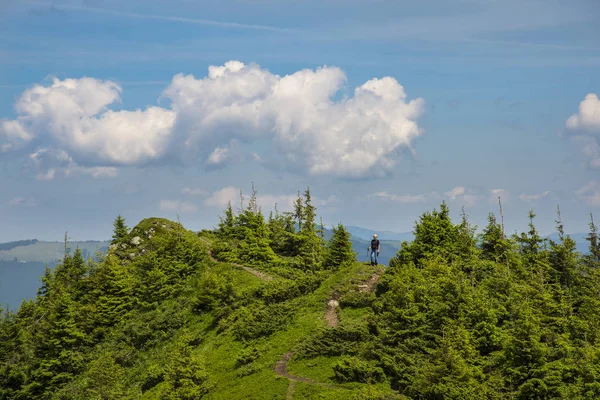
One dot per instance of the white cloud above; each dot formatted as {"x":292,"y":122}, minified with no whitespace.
{"x":463,"y":195}
{"x":533,"y":197}
{"x":590,"y":194}
{"x":177,"y":206}
{"x":356,"y":136}
{"x":587,"y":123}
{"x":22,"y":202}
{"x":419,"y":198}
{"x":266,"y":202}
{"x":455,"y":192}
{"x":495,"y":193}
{"x":46,"y":162}
{"x":73,"y":115}
{"x":221,"y":197}
{"x":193,"y":191}
{"x":588,"y":117}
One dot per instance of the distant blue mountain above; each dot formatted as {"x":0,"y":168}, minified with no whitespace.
{"x":367,"y":234}
{"x":579,"y":238}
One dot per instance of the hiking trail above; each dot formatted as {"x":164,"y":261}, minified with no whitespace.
{"x":332,"y":319}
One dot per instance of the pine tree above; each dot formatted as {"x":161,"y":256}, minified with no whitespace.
{"x":594,"y":242}
{"x":563,"y":255}
{"x":120,"y":229}
{"x":299,"y":211}
{"x":227,"y":223}
{"x":310,"y":248}
{"x":339,"y":249}
{"x":494,"y":246}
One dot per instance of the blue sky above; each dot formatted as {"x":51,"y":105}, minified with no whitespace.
{"x":109,"y":107}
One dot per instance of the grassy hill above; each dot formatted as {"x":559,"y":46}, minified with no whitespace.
{"x":245,"y":312}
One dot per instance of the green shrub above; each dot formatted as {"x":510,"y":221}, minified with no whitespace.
{"x":353,"y":369}
{"x":247,"y":355}
{"x":257,"y":320}
{"x":333,"y":341}
{"x":278,"y":290}
{"x":357,"y":299}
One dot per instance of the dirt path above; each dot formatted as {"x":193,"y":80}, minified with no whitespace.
{"x":332,"y":319}
{"x":254,"y":272}
{"x":331,"y":311}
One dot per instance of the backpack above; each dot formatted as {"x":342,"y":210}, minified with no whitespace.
{"x":374,"y":244}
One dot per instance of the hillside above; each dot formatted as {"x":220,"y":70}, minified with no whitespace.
{"x":260,"y":309}
{"x":47,"y":252}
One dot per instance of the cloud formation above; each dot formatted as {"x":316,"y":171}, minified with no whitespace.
{"x":177,"y":206}
{"x":590,"y":194}
{"x":461,"y":194}
{"x":533,"y":197}
{"x":267,"y":202}
{"x":586,"y":123}
{"x":405,"y":199}
{"x":208,"y":119}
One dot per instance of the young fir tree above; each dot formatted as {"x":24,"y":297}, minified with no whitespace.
{"x":227,"y":223}
{"x":594,"y":243}
{"x":434,"y":235}
{"x":563,"y":255}
{"x":339,"y":249}
{"x":120,"y":229}
{"x":494,"y":245}
{"x":310,"y":246}
{"x":299,"y":211}
{"x":254,"y":246}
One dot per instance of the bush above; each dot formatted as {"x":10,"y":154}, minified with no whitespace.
{"x":277,"y":291}
{"x":257,"y":320}
{"x":357,"y":299}
{"x":247,"y":355}
{"x":352,"y":369}
{"x":333,"y":341}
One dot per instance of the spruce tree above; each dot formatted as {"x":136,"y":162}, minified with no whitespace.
{"x":120,"y":229}
{"x":310,"y":247}
{"x":594,"y":242}
{"x":339,"y":249}
{"x":299,"y":211}
{"x":494,"y":246}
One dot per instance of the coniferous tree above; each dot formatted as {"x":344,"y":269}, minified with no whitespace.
{"x":563,"y":255}
{"x":339,"y":249}
{"x":310,"y":247}
{"x":299,"y":211}
{"x":494,"y":246}
{"x":120,"y":229}
{"x":594,"y":242}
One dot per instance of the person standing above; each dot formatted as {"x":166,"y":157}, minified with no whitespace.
{"x":375,"y":247}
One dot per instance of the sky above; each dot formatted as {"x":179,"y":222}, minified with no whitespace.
{"x":383,"y":108}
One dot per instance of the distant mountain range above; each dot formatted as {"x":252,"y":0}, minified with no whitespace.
{"x":22,"y":262}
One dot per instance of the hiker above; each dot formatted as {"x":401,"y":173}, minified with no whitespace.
{"x":375,"y":247}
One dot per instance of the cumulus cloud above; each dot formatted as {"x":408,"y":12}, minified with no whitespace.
{"x":590,"y":194}
{"x":222,"y":197}
{"x":419,"y":198}
{"x":533,"y":197}
{"x":177,"y":206}
{"x":45,"y":163}
{"x":73,"y":115}
{"x":586,"y":123}
{"x":461,"y":194}
{"x":356,"y":136}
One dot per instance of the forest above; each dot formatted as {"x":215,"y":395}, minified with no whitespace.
{"x":264,"y":307}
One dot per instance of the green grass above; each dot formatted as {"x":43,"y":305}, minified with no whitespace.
{"x":233,"y":382}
